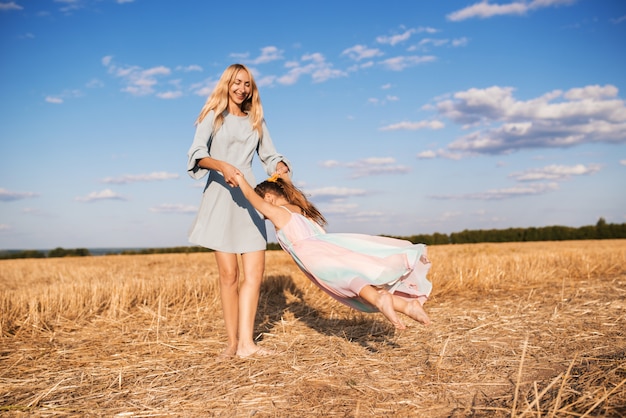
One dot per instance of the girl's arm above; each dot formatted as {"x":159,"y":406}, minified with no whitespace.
{"x":275,"y":214}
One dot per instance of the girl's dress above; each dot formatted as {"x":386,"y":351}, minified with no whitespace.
{"x":226,"y":221}
{"x":342,"y":264}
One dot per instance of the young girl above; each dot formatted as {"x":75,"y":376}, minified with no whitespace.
{"x":367,"y":273}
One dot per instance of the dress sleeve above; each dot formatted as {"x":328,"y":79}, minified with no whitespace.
{"x":201,"y":146}
{"x":268,"y":155}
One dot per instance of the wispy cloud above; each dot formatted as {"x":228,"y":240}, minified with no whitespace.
{"x":133,"y":178}
{"x":174,"y":208}
{"x":8,"y":196}
{"x":414,"y":126}
{"x":5,"y":7}
{"x":106,"y":194}
{"x":362,"y":52}
{"x":374,"y":166}
{"x":312,"y":65}
{"x":505,"y":193}
{"x":333,"y":193}
{"x":555,"y":172}
{"x":484,"y":9}
{"x":137,"y":80}
{"x":400,"y":63}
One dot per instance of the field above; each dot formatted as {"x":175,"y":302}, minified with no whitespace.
{"x":519,"y":330}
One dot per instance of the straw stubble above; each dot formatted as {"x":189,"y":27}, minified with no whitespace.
{"x":524,"y":329}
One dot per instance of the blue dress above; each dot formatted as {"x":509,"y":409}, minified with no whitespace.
{"x":226,"y":221}
{"x":342,"y":264}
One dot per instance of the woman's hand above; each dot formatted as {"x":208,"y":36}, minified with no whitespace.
{"x":230,"y":174}
{"x":282,"y":171}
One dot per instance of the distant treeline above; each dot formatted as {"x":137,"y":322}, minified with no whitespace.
{"x":601,"y":230}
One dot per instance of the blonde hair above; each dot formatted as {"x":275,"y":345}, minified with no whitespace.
{"x":293,"y":195}
{"x":218,"y":100}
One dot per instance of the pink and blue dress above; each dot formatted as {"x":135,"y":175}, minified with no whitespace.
{"x":341,"y":264}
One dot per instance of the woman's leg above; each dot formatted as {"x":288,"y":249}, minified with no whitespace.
{"x":229,"y":294}
{"x":253,"y":269}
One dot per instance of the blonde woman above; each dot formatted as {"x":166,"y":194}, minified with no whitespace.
{"x":230,"y":129}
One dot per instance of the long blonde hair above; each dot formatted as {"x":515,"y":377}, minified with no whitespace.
{"x":218,"y":100}
{"x":293,"y":195}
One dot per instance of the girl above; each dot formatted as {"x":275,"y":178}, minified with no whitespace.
{"x":365,"y":272}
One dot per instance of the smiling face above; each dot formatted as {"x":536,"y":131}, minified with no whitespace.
{"x":239,"y":90}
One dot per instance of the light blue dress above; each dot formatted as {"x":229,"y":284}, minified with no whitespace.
{"x":342,"y":264}
{"x":226,"y":221}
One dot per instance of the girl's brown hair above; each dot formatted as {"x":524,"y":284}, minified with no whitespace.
{"x":218,"y":100}
{"x":293,"y":195}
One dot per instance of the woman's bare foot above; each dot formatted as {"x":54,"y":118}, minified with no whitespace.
{"x":259,"y":352}
{"x":227,"y":354}
{"x":385,"y":306}
{"x":415,"y":311}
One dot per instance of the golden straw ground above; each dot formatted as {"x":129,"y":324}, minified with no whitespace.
{"x":523,"y":330}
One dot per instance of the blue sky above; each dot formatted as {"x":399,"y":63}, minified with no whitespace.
{"x":399,"y":117}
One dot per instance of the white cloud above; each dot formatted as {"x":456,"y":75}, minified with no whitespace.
{"x":440,"y":153}
{"x":622,"y":162}
{"x":106,"y":194}
{"x":395,"y":39}
{"x":424,"y":155}
{"x":414,"y":126}
{"x":189,"y":68}
{"x":373,"y":166}
{"x":169,"y":94}
{"x":268,"y":54}
{"x":506,"y":193}
{"x":333,"y":193}
{"x":361,"y":52}
{"x":556,"y":172}
{"x":484,"y":9}
{"x":8,"y":196}
{"x":313,"y":65}
{"x":132,"y":178}
{"x":4,"y":7}
{"x":54,"y":100}
{"x":138,"y":81}
{"x":401,"y":62}
{"x":174,"y":208}
{"x":554,"y":120}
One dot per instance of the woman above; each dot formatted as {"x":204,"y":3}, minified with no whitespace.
{"x":229,"y":130}
{"x":365,"y":272}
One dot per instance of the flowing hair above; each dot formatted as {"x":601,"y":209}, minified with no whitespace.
{"x":293,"y":195}
{"x":218,"y":100}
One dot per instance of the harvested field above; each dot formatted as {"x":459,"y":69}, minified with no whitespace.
{"x":519,"y":330}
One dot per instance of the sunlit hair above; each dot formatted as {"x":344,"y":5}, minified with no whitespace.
{"x":293,"y":195}
{"x":218,"y":100}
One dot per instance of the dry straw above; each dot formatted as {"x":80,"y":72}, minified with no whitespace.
{"x":519,"y":330}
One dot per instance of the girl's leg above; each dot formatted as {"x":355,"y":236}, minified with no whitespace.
{"x":385,"y":303}
{"x":253,"y":268}
{"x":229,"y":294}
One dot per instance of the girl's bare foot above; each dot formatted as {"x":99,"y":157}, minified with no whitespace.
{"x":415,"y":311}
{"x":385,"y":306}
